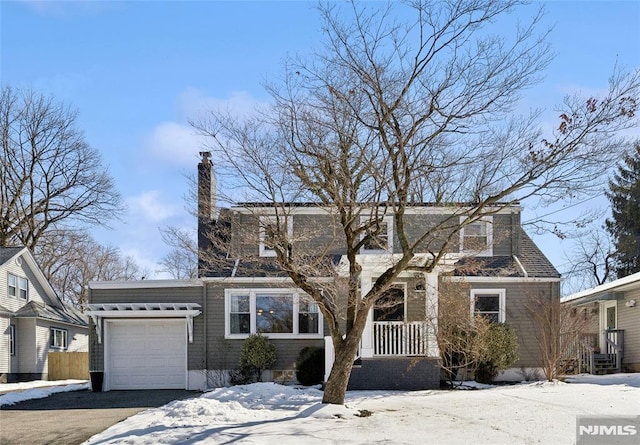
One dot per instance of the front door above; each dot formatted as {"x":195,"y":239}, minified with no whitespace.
{"x":608,"y":320}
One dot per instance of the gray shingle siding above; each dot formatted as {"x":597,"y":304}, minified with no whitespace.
{"x":517,"y":302}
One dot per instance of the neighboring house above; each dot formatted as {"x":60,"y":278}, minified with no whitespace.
{"x":33,"y":320}
{"x":187,"y":334}
{"x":612,"y":340}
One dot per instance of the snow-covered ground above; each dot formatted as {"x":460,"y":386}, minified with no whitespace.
{"x":11,"y":393}
{"x":266,"y":413}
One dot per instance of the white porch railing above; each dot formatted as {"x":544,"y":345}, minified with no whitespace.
{"x":397,"y":338}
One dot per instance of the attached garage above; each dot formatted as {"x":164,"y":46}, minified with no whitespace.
{"x":146,"y":354}
{"x":145,"y":345}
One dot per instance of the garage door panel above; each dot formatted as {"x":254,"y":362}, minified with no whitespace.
{"x":147,"y":354}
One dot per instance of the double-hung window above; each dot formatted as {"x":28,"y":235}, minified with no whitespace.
{"x":58,"y":338}
{"x":17,"y":286}
{"x":379,"y":238}
{"x":274,"y":231}
{"x":477,"y":237}
{"x":278,"y":313}
{"x":489,"y":303}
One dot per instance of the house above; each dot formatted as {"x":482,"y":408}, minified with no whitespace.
{"x":189,"y":333}
{"x":33,"y":320}
{"x":611,"y":342}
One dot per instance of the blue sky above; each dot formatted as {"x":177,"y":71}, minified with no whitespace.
{"x":137,"y":71}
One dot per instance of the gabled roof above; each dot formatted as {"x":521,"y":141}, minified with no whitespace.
{"x":606,"y":290}
{"x":5,"y":311}
{"x":7,"y":253}
{"x":534,"y":262}
{"x":68,"y":315}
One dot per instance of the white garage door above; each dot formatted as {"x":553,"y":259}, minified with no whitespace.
{"x":146,"y":354}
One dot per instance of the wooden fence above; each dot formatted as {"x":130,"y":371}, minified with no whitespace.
{"x":68,"y":365}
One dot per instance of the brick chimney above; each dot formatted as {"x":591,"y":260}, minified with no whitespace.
{"x":206,"y":200}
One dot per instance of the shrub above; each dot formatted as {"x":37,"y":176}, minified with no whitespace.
{"x":500,"y":352}
{"x":258,"y":354}
{"x":310,"y":366}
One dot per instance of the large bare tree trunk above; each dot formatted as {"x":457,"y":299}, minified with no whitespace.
{"x":336,"y":387}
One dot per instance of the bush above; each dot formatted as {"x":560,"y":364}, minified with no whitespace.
{"x":310,"y":366}
{"x":258,"y":354}
{"x":500,"y":352}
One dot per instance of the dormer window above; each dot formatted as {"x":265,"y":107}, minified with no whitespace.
{"x":477,"y":237}
{"x":18,"y":286}
{"x":269,"y":231}
{"x":380,"y":236}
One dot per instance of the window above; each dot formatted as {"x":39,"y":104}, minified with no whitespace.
{"x":489,"y":303}
{"x":380,"y":237}
{"x":308,"y":317}
{"x":18,"y":286}
{"x":240,"y":314}
{"x":268,"y":233}
{"x":58,"y":338}
{"x":390,"y":307}
{"x":477,"y":237}
{"x":274,"y":313}
{"x":12,"y":339}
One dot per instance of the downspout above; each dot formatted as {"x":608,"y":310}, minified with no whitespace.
{"x":204,"y":333}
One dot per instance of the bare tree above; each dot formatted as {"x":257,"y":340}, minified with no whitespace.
{"x":557,"y":328}
{"x":70,"y":259}
{"x":49,"y":175}
{"x":461,"y":336}
{"x":182,"y":260}
{"x":390,"y":114}
{"x":592,"y":260}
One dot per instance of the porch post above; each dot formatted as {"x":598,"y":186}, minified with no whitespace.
{"x":366,"y":344}
{"x":431,"y":311}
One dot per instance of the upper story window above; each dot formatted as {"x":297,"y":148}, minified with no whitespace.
{"x":489,"y":303}
{"x":18,"y":286}
{"x":380,"y":238}
{"x":268,"y":231}
{"x":477,"y":237}
{"x":59,"y":338}
{"x":279,"y":313}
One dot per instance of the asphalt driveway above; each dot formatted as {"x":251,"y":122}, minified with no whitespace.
{"x":73,"y":417}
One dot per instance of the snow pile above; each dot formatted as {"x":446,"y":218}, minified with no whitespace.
{"x":13,"y":393}
{"x":267,"y":413}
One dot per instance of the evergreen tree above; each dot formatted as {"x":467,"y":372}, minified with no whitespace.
{"x":624,"y":225}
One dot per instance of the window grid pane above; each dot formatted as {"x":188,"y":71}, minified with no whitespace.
{"x":488,"y":306}
{"x":308,"y":317}
{"x":274,"y":314}
{"x":240,"y":314}
{"x":13,"y":285}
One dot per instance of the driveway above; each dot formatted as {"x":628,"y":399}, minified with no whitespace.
{"x":73,"y":417}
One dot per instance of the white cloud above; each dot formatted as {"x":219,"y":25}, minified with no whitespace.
{"x":175,"y":143}
{"x":194,"y":103}
{"x":66,"y":9}
{"x":148,"y":205}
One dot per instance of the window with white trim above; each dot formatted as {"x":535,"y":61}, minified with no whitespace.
{"x":268,"y":231}
{"x":477,"y":237}
{"x":489,"y":303}
{"x":278,"y":313}
{"x":58,"y":338}
{"x":12,"y":339}
{"x":17,"y":286}
{"x":380,"y":238}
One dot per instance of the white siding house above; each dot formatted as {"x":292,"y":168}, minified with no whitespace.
{"x":33,"y":320}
